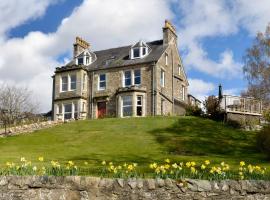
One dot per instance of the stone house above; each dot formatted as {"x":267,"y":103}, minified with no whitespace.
{"x":144,"y":79}
{"x":193,"y":101}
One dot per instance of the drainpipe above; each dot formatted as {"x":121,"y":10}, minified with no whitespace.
{"x":53,"y":96}
{"x":172,"y":83}
{"x":153,"y":77}
{"x":92,"y":95}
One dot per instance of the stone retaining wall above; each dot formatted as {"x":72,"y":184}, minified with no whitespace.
{"x":28,"y":128}
{"x":75,"y":187}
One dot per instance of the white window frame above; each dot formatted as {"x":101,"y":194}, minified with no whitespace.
{"x":71,"y":112}
{"x":179,"y":70}
{"x":99,"y":81}
{"x":162,"y":78}
{"x":134,"y":77}
{"x":137,"y":105}
{"x":183,"y":93}
{"x":61,"y":80}
{"x":131,"y":105}
{"x":166,"y":59}
{"x":124,"y":78}
{"x":69,"y":88}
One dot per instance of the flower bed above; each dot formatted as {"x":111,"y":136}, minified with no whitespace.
{"x":168,"y":169}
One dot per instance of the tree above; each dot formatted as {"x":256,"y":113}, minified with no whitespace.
{"x":257,"y":68}
{"x":16,"y":103}
{"x":212,"y":106}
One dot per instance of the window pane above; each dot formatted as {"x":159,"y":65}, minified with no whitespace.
{"x":68,"y":115}
{"x":80,"y":61}
{"x":137,"y":77}
{"x":127,"y":111}
{"x":144,"y":51}
{"x":68,"y":108}
{"x":127,"y":78}
{"x":139,"y":100}
{"x":64,"y":83}
{"x":136,"y":53}
{"x":162,"y":76}
{"x":139,"y":111}
{"x":102,"y":77}
{"x":73,"y":80}
{"x":127,"y":100}
{"x":102,"y":85}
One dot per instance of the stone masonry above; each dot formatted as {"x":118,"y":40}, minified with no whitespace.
{"x":84,"y":188}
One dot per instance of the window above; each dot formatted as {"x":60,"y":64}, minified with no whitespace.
{"x":80,"y":61}
{"x":162,"y":106}
{"x":102,"y":82}
{"x":136,"y":53}
{"x":75,"y":110}
{"x":144,"y":51}
{"x":162,"y":78}
{"x":68,"y":111}
{"x":183,"y":93}
{"x":64,"y":83}
{"x":139,"y":106}
{"x":127,"y":78}
{"x":73,"y":80}
{"x":127,"y":106}
{"x":179,"y":70}
{"x":87,"y":60}
{"x":137,"y":77}
{"x":166,"y":59}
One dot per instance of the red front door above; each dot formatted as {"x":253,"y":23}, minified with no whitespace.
{"x":101,"y":109}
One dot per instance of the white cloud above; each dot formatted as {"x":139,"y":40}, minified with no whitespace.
{"x":200,"y":88}
{"x":211,"y":18}
{"x":14,"y":12}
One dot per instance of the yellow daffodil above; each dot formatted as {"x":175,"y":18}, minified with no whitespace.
{"x":86,"y":163}
{"x":242,"y":163}
{"x":207,"y":162}
{"x":41,"y":159}
{"x":167,"y":160}
{"x":203,"y":166}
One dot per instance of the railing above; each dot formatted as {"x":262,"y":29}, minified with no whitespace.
{"x":241,"y":104}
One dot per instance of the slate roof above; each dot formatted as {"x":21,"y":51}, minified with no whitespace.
{"x":117,"y":57}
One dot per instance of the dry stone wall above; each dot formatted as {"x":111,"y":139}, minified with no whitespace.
{"x":28,"y":128}
{"x":84,"y":188}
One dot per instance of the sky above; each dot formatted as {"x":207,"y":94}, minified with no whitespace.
{"x":213,"y":35}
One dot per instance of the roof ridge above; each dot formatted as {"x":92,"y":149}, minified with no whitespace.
{"x":127,"y":46}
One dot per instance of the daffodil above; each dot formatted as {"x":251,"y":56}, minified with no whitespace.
{"x":207,"y":162}
{"x":203,"y":166}
{"x":104,"y":162}
{"x":242,"y":163}
{"x":41,"y":159}
{"x":167,"y":160}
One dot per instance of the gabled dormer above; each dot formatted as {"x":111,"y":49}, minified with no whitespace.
{"x":139,"y":50}
{"x":85,"y":58}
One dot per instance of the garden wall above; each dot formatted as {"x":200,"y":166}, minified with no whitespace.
{"x":75,"y":187}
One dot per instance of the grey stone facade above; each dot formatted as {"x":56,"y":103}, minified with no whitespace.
{"x":84,"y":188}
{"x":162,"y":89}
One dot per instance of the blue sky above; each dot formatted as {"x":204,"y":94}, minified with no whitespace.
{"x":213,"y":36}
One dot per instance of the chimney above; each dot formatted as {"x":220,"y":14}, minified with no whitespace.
{"x":79,"y":46}
{"x":169,"y":33}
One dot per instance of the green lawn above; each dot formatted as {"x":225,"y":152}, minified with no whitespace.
{"x":140,"y":140}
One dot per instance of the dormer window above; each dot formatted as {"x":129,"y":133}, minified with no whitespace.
{"x":139,"y":50}
{"x":84,"y":58}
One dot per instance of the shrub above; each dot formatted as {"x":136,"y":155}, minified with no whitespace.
{"x":263,"y":140}
{"x":193,"y":111}
{"x":266,"y":115}
{"x":213,"y":108}
{"x":234,"y":124}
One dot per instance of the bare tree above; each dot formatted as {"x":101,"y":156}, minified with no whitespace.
{"x":16,"y":103}
{"x":257,"y":67}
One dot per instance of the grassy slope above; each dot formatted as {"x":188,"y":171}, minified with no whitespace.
{"x":140,"y":140}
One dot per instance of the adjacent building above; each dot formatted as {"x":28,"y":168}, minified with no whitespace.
{"x":143,"y":79}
